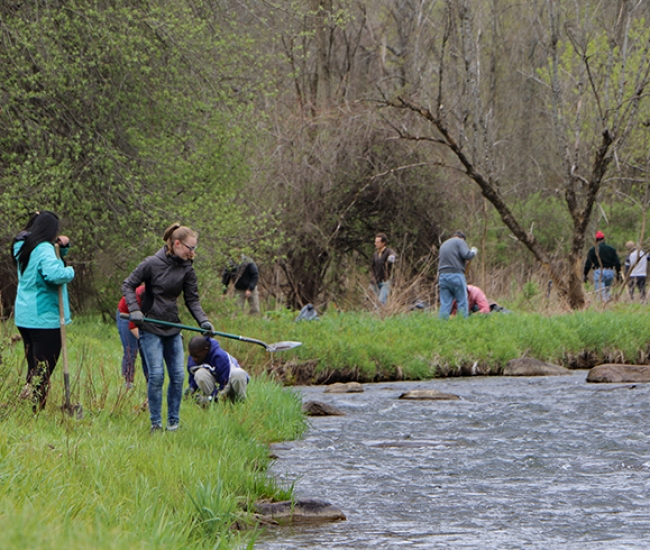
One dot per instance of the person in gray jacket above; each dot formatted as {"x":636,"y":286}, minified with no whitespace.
{"x":452,"y":256}
{"x":165,"y":275}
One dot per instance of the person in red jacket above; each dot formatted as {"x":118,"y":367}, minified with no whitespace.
{"x":476,"y":301}
{"x":130,"y":338}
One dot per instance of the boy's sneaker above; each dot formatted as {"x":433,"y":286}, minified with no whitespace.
{"x":155,"y":428}
{"x":173,"y":427}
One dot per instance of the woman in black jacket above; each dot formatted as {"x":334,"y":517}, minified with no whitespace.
{"x":165,"y":275}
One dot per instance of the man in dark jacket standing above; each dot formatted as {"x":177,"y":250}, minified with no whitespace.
{"x":382,"y":267}
{"x":606,"y":263}
{"x":245,"y":276}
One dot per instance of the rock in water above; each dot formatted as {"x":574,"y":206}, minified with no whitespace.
{"x":299,"y":511}
{"x":350,"y":387}
{"x":318,"y":408}
{"x":428,"y":394}
{"x":527,"y":366}
{"x":619,"y":374}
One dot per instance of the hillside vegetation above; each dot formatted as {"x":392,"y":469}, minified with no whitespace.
{"x":294,"y":131}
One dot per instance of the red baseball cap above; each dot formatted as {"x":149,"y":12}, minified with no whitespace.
{"x":600,"y":235}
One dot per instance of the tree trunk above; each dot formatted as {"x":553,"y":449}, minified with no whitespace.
{"x":568,"y":285}
{"x":322,"y":80}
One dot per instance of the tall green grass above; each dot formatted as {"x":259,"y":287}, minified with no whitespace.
{"x":104,"y":482}
{"x":422,"y":346}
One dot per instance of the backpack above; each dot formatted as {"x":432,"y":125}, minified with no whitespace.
{"x":308,"y":313}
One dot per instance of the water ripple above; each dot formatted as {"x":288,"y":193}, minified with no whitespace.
{"x":532,"y":463}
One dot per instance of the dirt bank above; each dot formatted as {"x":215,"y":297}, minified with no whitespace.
{"x":305,"y":373}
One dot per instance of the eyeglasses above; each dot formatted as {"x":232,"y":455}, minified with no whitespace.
{"x":190,"y":248}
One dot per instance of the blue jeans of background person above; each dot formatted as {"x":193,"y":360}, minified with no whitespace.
{"x":382,"y":290}
{"x":169,"y":349}
{"x":603,"y":279}
{"x":452,"y":287}
{"x":131,"y":347}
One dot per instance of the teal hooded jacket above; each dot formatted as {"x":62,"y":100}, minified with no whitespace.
{"x":37,"y":299}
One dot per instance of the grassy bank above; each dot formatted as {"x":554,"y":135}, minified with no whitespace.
{"x":104,"y":482}
{"x":366,"y":347}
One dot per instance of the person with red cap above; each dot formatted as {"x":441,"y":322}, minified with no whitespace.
{"x":606,"y":263}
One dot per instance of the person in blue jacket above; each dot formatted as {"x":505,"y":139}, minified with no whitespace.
{"x":36,"y":310}
{"x":214,"y":373}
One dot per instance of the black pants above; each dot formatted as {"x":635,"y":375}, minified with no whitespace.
{"x":638,"y":282}
{"x":42,"y":350}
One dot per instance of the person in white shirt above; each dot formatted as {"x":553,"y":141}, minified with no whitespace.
{"x":636,"y":266}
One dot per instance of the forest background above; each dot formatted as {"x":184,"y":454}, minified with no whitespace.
{"x":293,"y":131}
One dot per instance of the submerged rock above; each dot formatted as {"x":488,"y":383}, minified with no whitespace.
{"x":611,"y":373}
{"x":318,"y":408}
{"x":428,"y":394}
{"x":527,"y":366}
{"x":339,"y":387}
{"x":404,"y":444}
{"x":626,"y":387}
{"x":299,"y":511}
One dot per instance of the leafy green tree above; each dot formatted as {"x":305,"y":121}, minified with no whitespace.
{"x":124,"y":116}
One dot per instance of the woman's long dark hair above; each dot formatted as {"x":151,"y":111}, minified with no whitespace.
{"x":22,"y":234}
{"x":45,"y":228}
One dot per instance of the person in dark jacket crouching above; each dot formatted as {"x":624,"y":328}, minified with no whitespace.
{"x":165,"y":275}
{"x":213,"y":373}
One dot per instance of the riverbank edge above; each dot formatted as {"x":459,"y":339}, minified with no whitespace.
{"x":312,"y":373}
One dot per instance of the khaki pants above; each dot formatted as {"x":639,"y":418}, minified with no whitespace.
{"x":235,"y":389}
{"x":253,"y":300}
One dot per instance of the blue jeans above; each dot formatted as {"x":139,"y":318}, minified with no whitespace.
{"x":603,"y":279}
{"x":382,"y":290}
{"x":169,"y":349}
{"x":452,"y":287}
{"x":131,"y":347}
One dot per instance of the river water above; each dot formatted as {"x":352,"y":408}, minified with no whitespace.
{"x":518,"y":462}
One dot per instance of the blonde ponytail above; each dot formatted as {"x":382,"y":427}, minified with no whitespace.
{"x":175,"y":232}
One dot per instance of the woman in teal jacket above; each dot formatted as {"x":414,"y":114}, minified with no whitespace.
{"x":36,"y":310}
